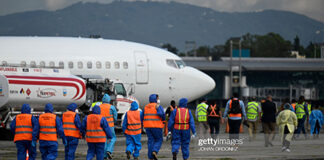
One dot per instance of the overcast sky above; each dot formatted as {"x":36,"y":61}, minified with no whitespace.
{"x":311,"y":8}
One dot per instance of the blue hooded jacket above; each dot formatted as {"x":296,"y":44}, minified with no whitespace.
{"x":113,"y":111}
{"x":134,"y":107}
{"x":25,"y":109}
{"x":103,"y":123}
{"x":72,"y":107}
{"x":159,"y":110}
{"x":59,"y":126}
{"x":182,"y":104}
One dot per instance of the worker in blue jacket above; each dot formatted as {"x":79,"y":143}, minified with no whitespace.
{"x":316,"y":120}
{"x":24,"y":128}
{"x":132,"y":128}
{"x":180,"y":123}
{"x":97,"y":132}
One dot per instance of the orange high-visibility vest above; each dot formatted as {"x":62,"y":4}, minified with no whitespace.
{"x":69,"y":127}
{"x":105,"y":112}
{"x":95,"y":133}
{"x":47,"y":124}
{"x":232,"y":114}
{"x":134,"y":125}
{"x":294,"y":106}
{"x":213,"y":112}
{"x":151,"y":119}
{"x":181,"y":121}
{"x":24,"y":127}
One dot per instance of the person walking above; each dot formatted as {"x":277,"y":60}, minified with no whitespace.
{"x":72,"y":130}
{"x":201,"y":114}
{"x":97,"y":132}
{"x":236,"y":111}
{"x":287,"y":122}
{"x":316,"y":120}
{"x":50,"y":126}
{"x":180,"y":123}
{"x":132,"y":128}
{"x":24,"y":128}
{"x":302,"y":116}
{"x":269,"y":110}
{"x":253,"y":112}
{"x":214,"y":117}
{"x":153,"y":118}
{"x":109,"y":112}
{"x":168,"y":112}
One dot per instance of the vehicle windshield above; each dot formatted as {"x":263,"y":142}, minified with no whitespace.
{"x":120,"y":90}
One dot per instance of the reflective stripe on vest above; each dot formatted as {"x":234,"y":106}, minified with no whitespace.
{"x":232,"y":114}
{"x":300,"y":111}
{"x":202,"y":112}
{"x":105,"y":112}
{"x":95,"y":133}
{"x":151,"y":118}
{"x":69,"y":127}
{"x":134,"y":126}
{"x":24,"y":127}
{"x":309,"y":107}
{"x":181,"y":121}
{"x":47,"y":124}
{"x":252,"y":110}
{"x":213,"y":112}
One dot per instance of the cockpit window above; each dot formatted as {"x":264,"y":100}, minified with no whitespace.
{"x":171,"y":63}
{"x":180,"y":63}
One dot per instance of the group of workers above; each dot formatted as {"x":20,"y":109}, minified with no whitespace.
{"x":290,"y":119}
{"x":98,"y":130}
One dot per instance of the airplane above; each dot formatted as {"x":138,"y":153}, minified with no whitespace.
{"x":149,"y":69}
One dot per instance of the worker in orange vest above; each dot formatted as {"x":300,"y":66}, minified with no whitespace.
{"x":97,"y":132}
{"x":132,"y":128}
{"x":24,"y":128}
{"x":180,"y":123}
{"x":214,"y":117}
{"x":50,"y":126}
{"x":110,"y":113}
{"x":168,"y":112}
{"x":153,"y":118}
{"x":72,"y":127}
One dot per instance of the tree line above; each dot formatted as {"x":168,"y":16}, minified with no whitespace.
{"x":269,"y":45}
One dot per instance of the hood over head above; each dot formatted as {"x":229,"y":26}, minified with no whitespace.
{"x":106,"y":98}
{"x":96,"y":110}
{"x":49,"y":108}
{"x":287,"y":106}
{"x":134,"y":106}
{"x":183,"y":102}
{"x":72,"y":107}
{"x":153,"y":98}
{"x":25,"y":109}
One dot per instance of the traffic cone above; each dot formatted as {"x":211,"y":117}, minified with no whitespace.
{"x":227,"y":128}
{"x":27,"y":155}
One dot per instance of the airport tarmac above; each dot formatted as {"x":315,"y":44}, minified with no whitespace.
{"x":200,"y":150}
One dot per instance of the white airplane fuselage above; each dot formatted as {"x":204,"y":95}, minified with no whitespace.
{"x":150,"y":69}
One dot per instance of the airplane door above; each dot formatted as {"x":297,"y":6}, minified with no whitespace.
{"x":142,"y":74}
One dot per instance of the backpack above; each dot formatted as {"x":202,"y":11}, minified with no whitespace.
{"x":236,"y":107}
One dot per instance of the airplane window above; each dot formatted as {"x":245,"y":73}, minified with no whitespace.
{"x":42,"y":64}
{"x":125,"y":64}
{"x":89,"y":65}
{"x":80,"y":65}
{"x":98,"y":65}
{"x":117,"y":65}
{"x":180,"y":63}
{"x":107,"y":65}
{"x":171,"y":63}
{"x":61,"y":64}
{"x":23,"y":64}
{"x":32,"y":64}
{"x":51,"y":64}
{"x":4,"y":63}
{"x":70,"y":65}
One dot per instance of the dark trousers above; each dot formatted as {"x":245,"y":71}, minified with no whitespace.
{"x":234,"y":128}
{"x":286,"y":143}
{"x":214,"y":127}
{"x":301,"y":126}
{"x":317,"y":128}
{"x":269,"y":132}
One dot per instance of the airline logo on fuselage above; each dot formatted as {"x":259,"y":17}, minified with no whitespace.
{"x":8,"y":69}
